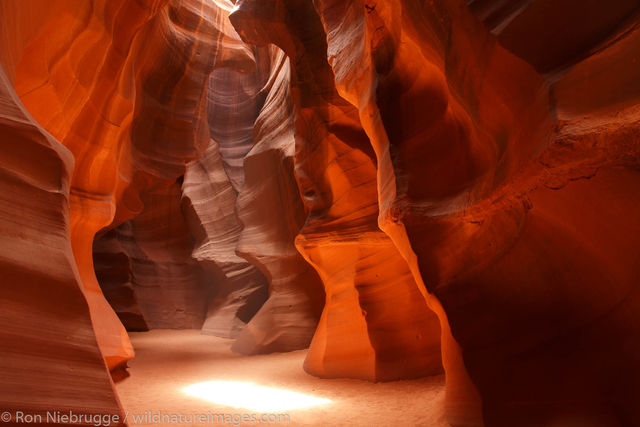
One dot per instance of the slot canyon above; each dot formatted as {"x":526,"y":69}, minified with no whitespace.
{"x":320,"y":212}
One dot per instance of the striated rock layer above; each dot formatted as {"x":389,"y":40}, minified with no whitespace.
{"x":510,"y":195}
{"x":113,"y":266}
{"x":167,"y":284}
{"x":210,"y":189}
{"x":238,"y":288}
{"x":272,"y":213}
{"x":123,"y":88}
{"x":44,"y":315}
{"x":460,"y":177}
{"x":374,"y":324}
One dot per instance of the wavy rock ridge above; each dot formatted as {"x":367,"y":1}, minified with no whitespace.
{"x":483,"y":180}
{"x":43,"y":305}
{"x":272,"y":213}
{"x":405,"y":186}
{"x":103,"y":80}
{"x":96,"y":87}
{"x":336,"y":175}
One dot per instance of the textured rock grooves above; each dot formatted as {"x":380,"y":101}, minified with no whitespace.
{"x":164,"y":281}
{"x":404,"y":186}
{"x":272,"y":213}
{"x":114,"y":271}
{"x":211,"y":185}
{"x":120,"y":84}
{"x":500,"y":188}
{"x":42,"y":302}
{"x":358,"y":336}
{"x":105,"y":79}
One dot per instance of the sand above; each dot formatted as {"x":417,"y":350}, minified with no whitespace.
{"x":167,"y":361}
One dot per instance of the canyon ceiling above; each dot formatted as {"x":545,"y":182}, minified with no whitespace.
{"x":405,"y":187}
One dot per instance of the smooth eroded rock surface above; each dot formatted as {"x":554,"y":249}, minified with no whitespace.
{"x":501,"y":186}
{"x":335,"y":170}
{"x":405,"y":186}
{"x":272,"y":213}
{"x":122,"y":87}
{"x":45,"y":317}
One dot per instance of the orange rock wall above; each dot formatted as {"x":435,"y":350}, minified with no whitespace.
{"x":458,"y":177}
{"x":485,"y":172}
{"x":44,"y":314}
{"x":111,"y":88}
{"x":359,"y":266}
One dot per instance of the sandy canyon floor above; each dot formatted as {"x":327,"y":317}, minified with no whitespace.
{"x":182,"y":373}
